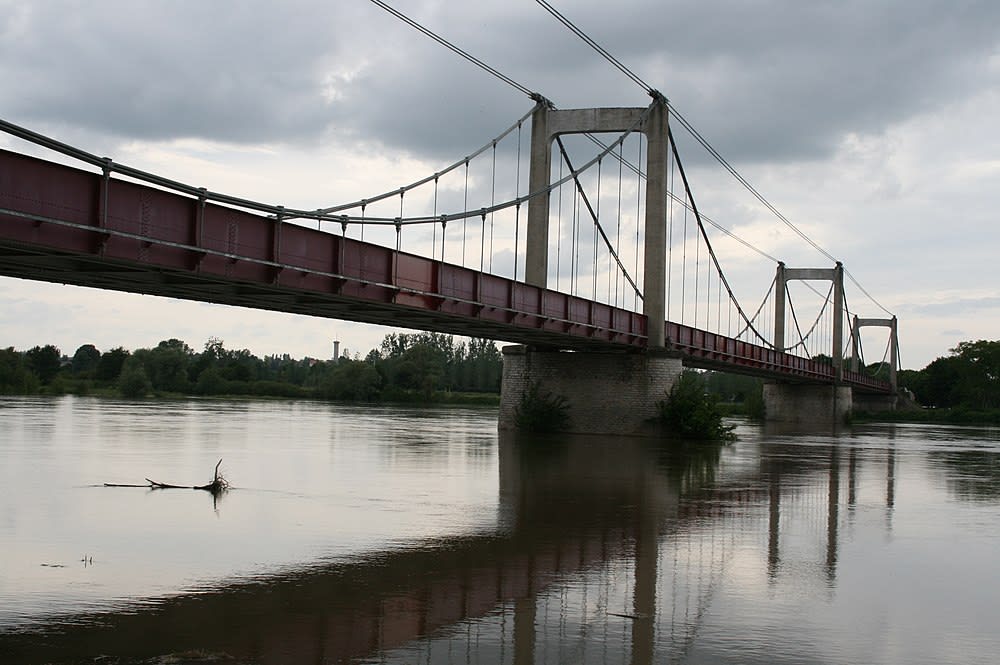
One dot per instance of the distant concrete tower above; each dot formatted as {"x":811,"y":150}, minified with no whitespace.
{"x":336,"y":350}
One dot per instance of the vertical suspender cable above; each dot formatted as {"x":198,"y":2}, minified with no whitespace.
{"x":482,"y":242}
{"x":670,"y":231}
{"x":434,"y":228}
{"x":465,"y":207}
{"x":597,"y":222}
{"x":493,"y":200}
{"x":517,"y":233}
{"x":576,"y":240}
{"x":559,"y":229}
{"x":684,"y":253}
{"x":517,"y":194}
{"x":697,"y":276}
{"x":364,"y":204}
{"x":638,"y":224}
{"x":718,"y":316}
{"x":444,"y":226}
{"x":618,"y":226}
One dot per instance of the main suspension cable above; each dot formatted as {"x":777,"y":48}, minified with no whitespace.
{"x":635,"y":78}
{"x":711,"y":251}
{"x":455,"y":49}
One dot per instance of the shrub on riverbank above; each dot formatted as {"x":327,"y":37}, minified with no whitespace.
{"x":541,"y":411}
{"x":689,"y":412}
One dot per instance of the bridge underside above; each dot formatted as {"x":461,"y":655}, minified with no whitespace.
{"x":64,"y":225}
{"x":30,"y":263}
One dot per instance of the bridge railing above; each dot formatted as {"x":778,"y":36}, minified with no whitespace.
{"x":165,"y":239}
{"x":711,"y":350}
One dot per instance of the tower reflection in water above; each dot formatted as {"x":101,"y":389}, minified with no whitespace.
{"x":632,"y":542}
{"x":605,"y":552}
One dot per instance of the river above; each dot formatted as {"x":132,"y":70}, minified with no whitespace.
{"x":387,"y":534}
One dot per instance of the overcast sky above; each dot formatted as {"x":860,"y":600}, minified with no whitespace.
{"x":871,"y":125}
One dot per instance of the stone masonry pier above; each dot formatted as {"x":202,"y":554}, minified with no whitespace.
{"x":607,"y":393}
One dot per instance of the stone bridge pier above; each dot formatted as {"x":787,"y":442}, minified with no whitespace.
{"x":606,"y":393}
{"x":807,"y":404}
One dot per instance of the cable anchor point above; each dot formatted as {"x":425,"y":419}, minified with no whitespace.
{"x":542,"y":99}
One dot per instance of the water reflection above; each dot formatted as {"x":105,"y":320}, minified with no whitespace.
{"x":568,"y":507}
{"x":973,"y":475}
{"x":606,"y":551}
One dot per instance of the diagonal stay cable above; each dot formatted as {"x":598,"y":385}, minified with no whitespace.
{"x":593,"y":216}
{"x":631,"y":75}
{"x":683,"y":202}
{"x":870,"y":297}
{"x":711,"y":250}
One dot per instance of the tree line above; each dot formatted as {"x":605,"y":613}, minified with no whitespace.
{"x":968,"y":378}
{"x":408,"y":367}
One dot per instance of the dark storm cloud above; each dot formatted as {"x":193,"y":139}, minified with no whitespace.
{"x":789,"y":79}
{"x":243,"y":72}
{"x":763,"y":80}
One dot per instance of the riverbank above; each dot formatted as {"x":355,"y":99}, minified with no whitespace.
{"x":956,"y":416}
{"x":259,"y":391}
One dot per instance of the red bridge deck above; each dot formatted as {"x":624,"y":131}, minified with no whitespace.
{"x":61,"y":224}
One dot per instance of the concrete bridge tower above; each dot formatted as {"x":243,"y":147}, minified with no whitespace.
{"x":807,"y":404}
{"x":606,"y":392}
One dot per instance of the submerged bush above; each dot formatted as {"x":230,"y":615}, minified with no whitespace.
{"x":691,"y":413}
{"x":541,"y":412}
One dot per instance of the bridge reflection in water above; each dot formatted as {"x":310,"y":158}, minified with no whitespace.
{"x":604,"y":554}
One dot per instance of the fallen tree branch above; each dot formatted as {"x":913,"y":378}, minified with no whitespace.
{"x":218,"y":485}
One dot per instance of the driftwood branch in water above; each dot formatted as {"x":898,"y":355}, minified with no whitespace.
{"x":218,"y":485}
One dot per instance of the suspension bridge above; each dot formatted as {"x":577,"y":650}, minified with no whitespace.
{"x":551,"y":235}
{"x":589,"y":258}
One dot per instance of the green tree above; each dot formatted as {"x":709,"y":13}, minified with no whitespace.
{"x":241,"y":366}
{"x":85,"y":360}
{"x":942,"y":380}
{"x":210,"y":357}
{"x":109,"y":367}
{"x":481,"y":365}
{"x":166,"y":365}
{"x":15,"y":377}
{"x":133,"y":382}
{"x":353,"y":380}
{"x":210,"y":382}
{"x":45,"y":362}
{"x":421,"y":368}
{"x":977,"y":366}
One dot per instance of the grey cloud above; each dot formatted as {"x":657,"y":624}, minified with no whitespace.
{"x":762,"y":81}
{"x":237,"y":72}
{"x":959,"y":306}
